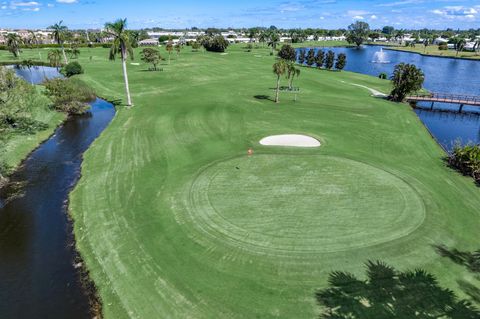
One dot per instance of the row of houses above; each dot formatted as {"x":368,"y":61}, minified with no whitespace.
{"x":231,"y":36}
{"x":42,"y":36}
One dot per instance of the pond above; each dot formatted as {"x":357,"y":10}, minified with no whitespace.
{"x":38,"y":278}
{"x":443,"y":75}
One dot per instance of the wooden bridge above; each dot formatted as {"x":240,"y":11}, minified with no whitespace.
{"x":462,"y":100}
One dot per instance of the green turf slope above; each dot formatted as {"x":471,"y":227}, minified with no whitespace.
{"x":174,"y":220}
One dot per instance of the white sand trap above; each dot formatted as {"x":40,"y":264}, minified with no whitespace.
{"x":134,"y":63}
{"x":293,"y":140}
{"x":224,"y":53}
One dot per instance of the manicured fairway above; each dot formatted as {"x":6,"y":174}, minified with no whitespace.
{"x":174,"y":220}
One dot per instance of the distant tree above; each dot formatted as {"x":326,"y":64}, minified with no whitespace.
{"x":178,"y":49}
{"x":121,"y":45}
{"x":302,"y":56}
{"x":216,"y":44}
{"x":292,"y":72}
{"x":311,"y":57}
{"x":74,"y":51}
{"x":13,"y":44}
{"x":320,"y":58}
{"x":388,"y":30}
{"x":273,"y":40}
{"x":263,"y":37}
{"x":383,"y":76}
{"x":279,"y":69}
{"x":425,"y":45}
{"x":196,"y":46}
{"x":341,"y":61}
{"x":389,"y":293}
{"x":329,"y":60}
{"x":407,"y":78}
{"x":358,"y":32}
{"x":476,"y":47}
{"x":253,"y":34}
{"x":288,"y":53}
{"x":459,"y":44}
{"x":169,"y":47}
{"x":55,"y":58}
{"x":59,"y":33}
{"x":151,"y":56}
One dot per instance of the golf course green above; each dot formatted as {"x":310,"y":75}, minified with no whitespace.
{"x":175,"y":220}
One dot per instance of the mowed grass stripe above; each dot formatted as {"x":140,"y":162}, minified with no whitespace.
{"x":148,"y":261}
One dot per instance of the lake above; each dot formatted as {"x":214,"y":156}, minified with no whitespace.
{"x":443,"y":75}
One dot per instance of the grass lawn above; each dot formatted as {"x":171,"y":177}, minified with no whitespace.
{"x":434,"y":51}
{"x":174,"y":220}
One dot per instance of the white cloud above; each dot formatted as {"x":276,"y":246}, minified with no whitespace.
{"x":67,"y":1}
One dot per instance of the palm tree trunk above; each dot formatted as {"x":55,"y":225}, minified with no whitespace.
{"x":278,"y":90}
{"x":125,"y":77}
{"x":64,"y":55}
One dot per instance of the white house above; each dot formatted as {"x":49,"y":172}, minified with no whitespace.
{"x":439,"y":41}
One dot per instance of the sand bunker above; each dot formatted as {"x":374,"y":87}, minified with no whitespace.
{"x":292,"y":140}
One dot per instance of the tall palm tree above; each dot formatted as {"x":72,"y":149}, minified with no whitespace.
{"x":13,"y":44}
{"x":59,"y":34}
{"x":279,"y":69}
{"x":121,"y":45}
{"x":34,"y":42}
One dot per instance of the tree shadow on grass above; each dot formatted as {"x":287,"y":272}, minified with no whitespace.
{"x":264,"y":97}
{"x":389,"y":293}
{"x":470,"y":260}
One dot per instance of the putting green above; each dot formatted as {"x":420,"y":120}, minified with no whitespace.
{"x":285,"y":205}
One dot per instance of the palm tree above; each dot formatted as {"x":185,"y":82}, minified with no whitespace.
{"x":273,"y":40}
{"x":460,"y":45}
{"x":59,"y":34}
{"x":34,"y":41}
{"x":476,"y":47}
{"x":292,"y":72}
{"x":54,"y":57}
{"x":279,"y":69}
{"x":263,"y":37}
{"x":121,"y":45}
{"x":13,"y":44}
{"x":169,"y":48}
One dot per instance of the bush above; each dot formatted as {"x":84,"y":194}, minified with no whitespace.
{"x":467,"y":160}
{"x":329,"y":59}
{"x":383,"y":76}
{"x":215,"y":44}
{"x":70,"y":95}
{"x":71,"y":69}
{"x":443,"y":47}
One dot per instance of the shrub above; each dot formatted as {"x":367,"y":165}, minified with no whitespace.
{"x":467,"y":160}
{"x":383,"y":76}
{"x":71,"y":69}
{"x":215,"y":44}
{"x":443,"y":47}
{"x":302,"y":56}
{"x":70,"y":95}
{"x":287,"y":52}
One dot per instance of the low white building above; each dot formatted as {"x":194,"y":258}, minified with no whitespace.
{"x":148,"y":42}
{"x":439,"y":41}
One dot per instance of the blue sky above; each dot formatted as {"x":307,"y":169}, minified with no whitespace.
{"x":245,"y":13}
